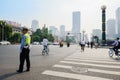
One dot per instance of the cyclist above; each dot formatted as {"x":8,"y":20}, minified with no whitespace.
{"x":82,"y":45}
{"x":116,"y":45}
{"x":45,"y":43}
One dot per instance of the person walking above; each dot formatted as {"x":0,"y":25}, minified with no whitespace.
{"x":82,"y":46}
{"x":24,"y":51}
{"x":91,"y":43}
{"x":88,"y":44}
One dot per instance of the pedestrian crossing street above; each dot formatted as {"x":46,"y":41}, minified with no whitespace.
{"x":86,"y":66}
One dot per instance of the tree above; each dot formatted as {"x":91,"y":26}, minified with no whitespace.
{"x":16,"y":38}
{"x":8,"y":32}
{"x":36,"y":38}
{"x":5,"y":31}
{"x":50,"y":37}
{"x":41,"y":33}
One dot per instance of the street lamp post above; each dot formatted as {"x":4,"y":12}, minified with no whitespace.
{"x":80,"y":36}
{"x":83,"y":34}
{"x":103,"y":25}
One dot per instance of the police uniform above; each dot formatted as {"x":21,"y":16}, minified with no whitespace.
{"x":24,"y":52}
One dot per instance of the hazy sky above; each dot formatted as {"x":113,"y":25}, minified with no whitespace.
{"x":57,"y":12}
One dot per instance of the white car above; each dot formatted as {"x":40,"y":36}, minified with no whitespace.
{"x":5,"y":43}
{"x":56,"y":43}
{"x":36,"y":43}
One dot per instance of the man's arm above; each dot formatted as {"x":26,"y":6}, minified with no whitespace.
{"x":114,"y":43}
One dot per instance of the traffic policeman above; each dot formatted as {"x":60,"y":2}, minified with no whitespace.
{"x":24,"y":51}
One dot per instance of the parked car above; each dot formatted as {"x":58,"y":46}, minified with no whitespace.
{"x":35,"y":43}
{"x":56,"y":43}
{"x":5,"y":43}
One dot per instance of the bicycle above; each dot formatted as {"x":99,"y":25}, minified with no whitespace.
{"x":82,"y":48}
{"x":112,"y":52}
{"x":45,"y":50}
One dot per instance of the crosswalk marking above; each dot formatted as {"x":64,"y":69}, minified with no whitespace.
{"x":95,"y":65}
{"x":89,"y":69}
{"x":90,"y":64}
{"x":91,"y":61}
{"x":73,"y":76}
{"x":92,"y":58}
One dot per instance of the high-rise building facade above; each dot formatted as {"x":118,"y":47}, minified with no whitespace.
{"x":62,"y":30}
{"x":76,"y":22}
{"x":111,"y":29}
{"x":35,"y":25}
{"x":53,"y":30}
{"x":76,"y":25}
{"x":118,"y":20}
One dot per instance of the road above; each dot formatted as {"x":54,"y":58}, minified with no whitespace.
{"x":61,"y":64}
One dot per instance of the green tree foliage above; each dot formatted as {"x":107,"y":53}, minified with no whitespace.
{"x":41,"y":33}
{"x":5,"y":31}
{"x":36,"y":38}
{"x":16,"y":38}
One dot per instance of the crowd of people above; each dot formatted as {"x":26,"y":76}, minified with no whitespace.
{"x":89,"y":45}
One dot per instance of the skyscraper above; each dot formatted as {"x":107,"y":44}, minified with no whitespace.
{"x":76,"y":22}
{"x":111,"y":29}
{"x":53,"y":30}
{"x":62,"y":30}
{"x":118,"y":20}
{"x":35,"y":25}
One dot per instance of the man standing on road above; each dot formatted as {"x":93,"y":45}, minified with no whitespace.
{"x":24,"y":51}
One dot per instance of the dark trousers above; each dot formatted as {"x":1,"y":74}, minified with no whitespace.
{"x":24,"y":55}
{"x":115,"y":48}
{"x":45,"y":47}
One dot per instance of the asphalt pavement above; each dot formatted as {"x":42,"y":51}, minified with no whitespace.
{"x":61,"y":64}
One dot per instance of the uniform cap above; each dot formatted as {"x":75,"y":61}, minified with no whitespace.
{"x":25,"y":28}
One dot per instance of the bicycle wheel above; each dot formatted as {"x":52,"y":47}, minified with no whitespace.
{"x":47,"y":51}
{"x":119,"y":54}
{"x":111,"y":52}
{"x":43,"y":52}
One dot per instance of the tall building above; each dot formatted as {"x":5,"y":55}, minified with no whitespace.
{"x":62,"y":30}
{"x":118,"y":20}
{"x":97,"y":32}
{"x":111,"y":29}
{"x":53,"y":30}
{"x":76,"y":25}
{"x":76,"y":22}
{"x":35,"y":25}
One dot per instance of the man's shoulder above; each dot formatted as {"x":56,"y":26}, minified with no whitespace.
{"x":27,"y":35}
{"x":45,"y":39}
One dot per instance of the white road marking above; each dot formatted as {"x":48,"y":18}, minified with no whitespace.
{"x":92,"y":58}
{"x":90,"y":64}
{"x":73,"y":76}
{"x":90,"y":69}
{"x":92,"y":61}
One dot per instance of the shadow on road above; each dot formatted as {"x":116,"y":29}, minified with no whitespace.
{"x":117,"y":59}
{"x":4,"y":76}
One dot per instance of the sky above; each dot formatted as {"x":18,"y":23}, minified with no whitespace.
{"x":57,"y":12}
